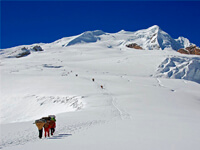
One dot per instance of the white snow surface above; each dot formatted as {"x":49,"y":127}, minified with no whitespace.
{"x":150,"y":99}
{"x":180,"y":68}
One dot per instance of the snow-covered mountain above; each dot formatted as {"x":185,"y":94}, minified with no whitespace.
{"x":153,"y":38}
{"x":104,"y":94}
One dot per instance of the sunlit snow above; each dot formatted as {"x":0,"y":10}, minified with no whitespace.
{"x":105,"y":95}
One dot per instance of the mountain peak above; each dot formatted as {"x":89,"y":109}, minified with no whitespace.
{"x":87,"y":37}
{"x":95,"y":32}
{"x":122,"y":31}
{"x":154,"y":28}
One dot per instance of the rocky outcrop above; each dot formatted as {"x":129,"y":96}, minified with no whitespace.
{"x":37,"y":48}
{"x":183,"y":51}
{"x":134,"y":45}
{"x":23,"y":52}
{"x":193,"y":49}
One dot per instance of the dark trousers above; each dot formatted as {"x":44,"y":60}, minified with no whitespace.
{"x":40,"y":133}
{"x":52,"y":131}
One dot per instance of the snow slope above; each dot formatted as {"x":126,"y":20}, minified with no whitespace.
{"x":136,"y":109}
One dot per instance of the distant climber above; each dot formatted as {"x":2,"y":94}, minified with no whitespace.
{"x":40,"y":123}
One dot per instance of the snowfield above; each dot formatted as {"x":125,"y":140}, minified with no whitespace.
{"x":149,"y":101}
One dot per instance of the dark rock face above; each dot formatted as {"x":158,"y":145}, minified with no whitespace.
{"x":37,"y":48}
{"x":27,"y":51}
{"x":193,"y":49}
{"x":24,"y":52}
{"x":134,"y":45}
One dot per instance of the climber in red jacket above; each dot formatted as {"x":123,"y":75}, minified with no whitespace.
{"x":52,"y":125}
{"x":46,"y":128}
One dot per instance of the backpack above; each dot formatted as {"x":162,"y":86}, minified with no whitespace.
{"x":40,"y":121}
{"x":46,"y":118}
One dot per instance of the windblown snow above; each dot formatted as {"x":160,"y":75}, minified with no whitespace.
{"x":104,"y":94}
{"x":180,"y":68}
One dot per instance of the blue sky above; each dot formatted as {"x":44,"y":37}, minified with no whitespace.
{"x":35,"y":21}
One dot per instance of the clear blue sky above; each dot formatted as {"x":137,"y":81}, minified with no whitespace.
{"x":32,"y":22}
